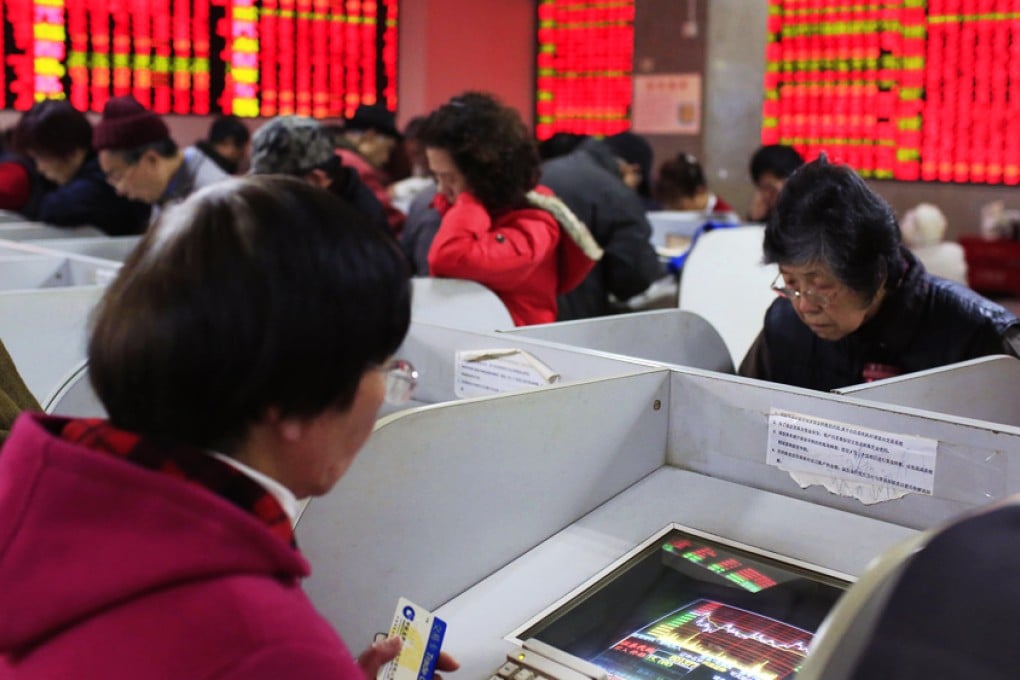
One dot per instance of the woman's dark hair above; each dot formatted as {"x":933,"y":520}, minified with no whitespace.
{"x":778,"y":160}
{"x":489,"y":144}
{"x":826,"y":213}
{"x":254,"y":293}
{"x":681,"y":177}
{"x":53,"y":128}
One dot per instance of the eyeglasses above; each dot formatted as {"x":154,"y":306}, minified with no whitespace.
{"x":401,"y":379}
{"x":817,"y":299}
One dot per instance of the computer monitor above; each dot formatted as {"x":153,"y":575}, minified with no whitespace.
{"x":686,"y":604}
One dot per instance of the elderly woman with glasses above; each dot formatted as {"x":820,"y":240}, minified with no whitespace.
{"x":854,"y":304}
{"x":242,"y":355}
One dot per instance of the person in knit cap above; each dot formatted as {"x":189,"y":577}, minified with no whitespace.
{"x":142,"y":162}
{"x":300,"y":146}
{"x":498,"y":226}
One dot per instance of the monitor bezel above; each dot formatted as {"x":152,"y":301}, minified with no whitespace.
{"x":590,"y":587}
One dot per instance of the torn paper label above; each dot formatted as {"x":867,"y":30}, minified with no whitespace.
{"x":869,"y":494}
{"x":483,"y":372}
{"x":859,"y":457}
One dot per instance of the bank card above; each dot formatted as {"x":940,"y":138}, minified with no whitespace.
{"x":421,"y":633}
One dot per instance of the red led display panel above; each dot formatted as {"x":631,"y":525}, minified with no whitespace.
{"x":584,"y":66}
{"x":249,"y":57}
{"x":899,"y":89}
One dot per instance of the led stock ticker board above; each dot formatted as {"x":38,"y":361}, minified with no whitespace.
{"x":583,"y":67}
{"x":907,"y":89}
{"x":248,"y":57}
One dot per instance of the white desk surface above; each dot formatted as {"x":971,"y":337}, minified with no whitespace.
{"x":481,"y":617}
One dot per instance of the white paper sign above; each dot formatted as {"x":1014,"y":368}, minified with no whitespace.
{"x":482,"y":372}
{"x":668,"y":103}
{"x":892,"y":463}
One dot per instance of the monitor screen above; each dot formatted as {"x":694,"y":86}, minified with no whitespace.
{"x":690,"y":605}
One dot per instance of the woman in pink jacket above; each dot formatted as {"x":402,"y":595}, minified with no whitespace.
{"x":242,"y":354}
{"x":498,"y":227}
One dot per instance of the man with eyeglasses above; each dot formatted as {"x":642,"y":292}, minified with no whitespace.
{"x":142,"y":162}
{"x":854,"y":304}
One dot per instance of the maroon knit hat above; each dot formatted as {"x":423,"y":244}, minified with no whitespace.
{"x":126,"y":124}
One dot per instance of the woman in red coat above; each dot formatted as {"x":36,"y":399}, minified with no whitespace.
{"x":498,"y":227}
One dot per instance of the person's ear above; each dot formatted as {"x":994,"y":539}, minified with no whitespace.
{"x":286,"y":428}
{"x":319,"y":178}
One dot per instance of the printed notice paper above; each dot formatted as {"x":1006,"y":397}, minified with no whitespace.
{"x":871,"y":465}
{"x":491,"y":371}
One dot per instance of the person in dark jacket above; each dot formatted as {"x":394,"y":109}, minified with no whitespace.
{"x":588,"y":180}
{"x":228,"y":144}
{"x":301,"y":147}
{"x":854,"y":304}
{"x":58,"y":138}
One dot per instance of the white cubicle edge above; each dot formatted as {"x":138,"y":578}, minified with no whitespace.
{"x":115,"y":248}
{"x":445,"y":495}
{"x":14,"y":229}
{"x":668,"y":336}
{"x":719,"y":427}
{"x":983,"y":389}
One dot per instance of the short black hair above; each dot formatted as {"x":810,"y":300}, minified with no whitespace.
{"x":54,"y":128}
{"x":490,"y":145}
{"x":826,"y":213}
{"x":559,"y":144}
{"x":776,"y":159}
{"x":255,"y":293}
{"x":681,"y":177}
{"x":229,"y":128}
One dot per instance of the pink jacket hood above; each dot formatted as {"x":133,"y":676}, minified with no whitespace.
{"x":70,"y":547}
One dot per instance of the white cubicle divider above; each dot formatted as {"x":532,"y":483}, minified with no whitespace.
{"x":74,"y":396}
{"x":492,"y":509}
{"x":21,"y":230}
{"x":672,"y":230}
{"x":433,"y":351}
{"x":719,"y":427}
{"x":987,"y":388}
{"x":115,"y":248}
{"x":725,"y":282}
{"x":439,"y":498}
{"x":458,"y":303}
{"x":45,"y":330}
{"x":668,"y":336}
{"x":28,"y":265}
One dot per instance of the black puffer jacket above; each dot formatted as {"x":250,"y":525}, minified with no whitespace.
{"x":588,"y":181}
{"x":923,"y":323}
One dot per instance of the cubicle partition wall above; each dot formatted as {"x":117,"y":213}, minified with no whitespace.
{"x":29,"y":265}
{"x":719,"y":426}
{"x":442,"y":497}
{"x":987,"y":389}
{"x":493,"y":508}
{"x":668,"y":337}
{"x":45,"y":332}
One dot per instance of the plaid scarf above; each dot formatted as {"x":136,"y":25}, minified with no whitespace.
{"x":185,"y":463}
